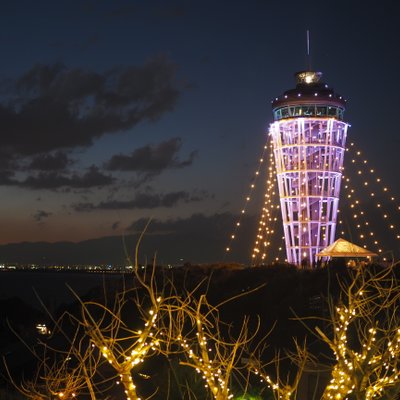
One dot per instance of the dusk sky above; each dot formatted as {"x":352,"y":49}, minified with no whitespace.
{"x":117,"y":111}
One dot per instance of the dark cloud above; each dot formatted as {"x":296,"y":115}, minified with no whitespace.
{"x":198,"y":238}
{"x":9,"y":162}
{"x":50,"y":162}
{"x":40,"y":215}
{"x":6,"y":177}
{"x":53,"y":107}
{"x":142,"y":201}
{"x":151,"y":160}
{"x":55,"y":180}
{"x":84,"y":207}
{"x":195,"y":223}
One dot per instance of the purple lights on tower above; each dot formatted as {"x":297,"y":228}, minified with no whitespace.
{"x":308,"y":136}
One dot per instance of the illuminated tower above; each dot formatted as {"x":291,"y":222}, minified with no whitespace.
{"x":308,"y":136}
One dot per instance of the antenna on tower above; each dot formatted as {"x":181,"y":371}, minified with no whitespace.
{"x":308,"y":51}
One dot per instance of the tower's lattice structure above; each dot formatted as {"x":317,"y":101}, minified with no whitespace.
{"x":308,"y":136}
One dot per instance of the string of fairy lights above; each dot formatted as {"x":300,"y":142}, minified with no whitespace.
{"x":248,"y":198}
{"x":210,"y":369}
{"x":364,"y":172}
{"x":268,"y":218}
{"x":358,"y":214}
{"x":265,"y":218}
{"x":283,"y":392}
{"x":269,"y":214}
{"x":370,"y":181}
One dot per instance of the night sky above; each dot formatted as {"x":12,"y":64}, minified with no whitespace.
{"x":113,"y":112}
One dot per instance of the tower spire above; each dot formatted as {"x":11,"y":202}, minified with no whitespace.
{"x":308,"y":51}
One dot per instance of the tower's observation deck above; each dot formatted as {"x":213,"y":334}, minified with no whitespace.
{"x":309,"y":137}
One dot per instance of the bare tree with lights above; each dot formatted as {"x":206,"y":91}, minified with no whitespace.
{"x":62,"y":374}
{"x":365,"y":337}
{"x":186,"y":325}
{"x":362,"y":331}
{"x":283,"y":387}
{"x":105,"y":349}
{"x":211,"y":349}
{"x":122,"y":346}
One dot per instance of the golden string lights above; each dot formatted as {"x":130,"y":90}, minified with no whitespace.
{"x":248,"y":198}
{"x":280,"y":255}
{"x":267,"y":222}
{"x":283,"y":392}
{"x":371,"y":184}
{"x":269,"y":215}
{"x":285,"y":384}
{"x":205,"y":366}
{"x":365,"y":234}
{"x":370,"y":174}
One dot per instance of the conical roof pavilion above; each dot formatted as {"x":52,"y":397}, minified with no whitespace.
{"x":343,"y":248}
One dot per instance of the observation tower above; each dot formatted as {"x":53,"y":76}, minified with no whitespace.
{"x":308,"y":138}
